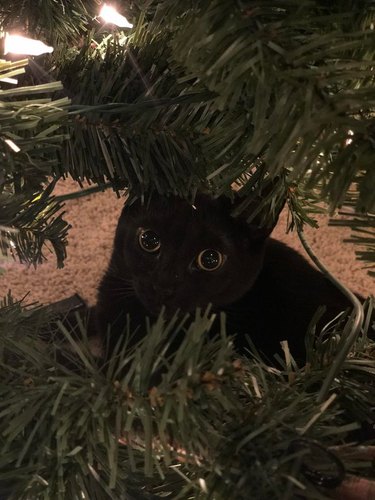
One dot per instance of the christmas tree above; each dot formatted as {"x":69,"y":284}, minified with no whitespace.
{"x":273,"y":97}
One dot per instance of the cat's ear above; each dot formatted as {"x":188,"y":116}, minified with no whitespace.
{"x":259,"y":209}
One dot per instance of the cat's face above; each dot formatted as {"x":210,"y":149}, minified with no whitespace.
{"x":171,"y":253}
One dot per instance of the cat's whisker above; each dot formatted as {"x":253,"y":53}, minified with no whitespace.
{"x":118,"y":281}
{"x":114,"y":271}
{"x":126,"y":281}
{"x":127,"y":286}
{"x":112,"y":268}
{"x":122,"y":294}
{"x":123,"y":289}
{"x":115,"y":276}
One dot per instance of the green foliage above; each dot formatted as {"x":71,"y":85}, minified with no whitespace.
{"x":363,"y":235}
{"x":27,"y":226}
{"x":275,"y":94}
{"x":288,"y":83}
{"x":33,"y":128}
{"x":57,"y":22}
{"x":297,"y":76}
{"x":149,"y":424}
{"x":361,"y":224}
{"x":31,"y":135}
{"x":212,"y":92}
{"x":130,"y":129}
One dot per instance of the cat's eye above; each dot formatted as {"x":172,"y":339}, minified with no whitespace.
{"x":210,"y":260}
{"x":148,"y":240}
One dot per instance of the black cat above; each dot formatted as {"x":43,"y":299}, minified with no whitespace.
{"x":168,"y":252}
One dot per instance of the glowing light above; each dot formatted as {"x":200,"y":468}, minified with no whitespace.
{"x":349,"y":141}
{"x":14,"y":81}
{"x":110,"y":15}
{"x":203,"y":484}
{"x":36,"y":198}
{"x":12,"y":145}
{"x":17,"y":44}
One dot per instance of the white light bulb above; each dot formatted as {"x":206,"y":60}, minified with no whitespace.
{"x":14,"y":81}
{"x":110,"y":15}
{"x":349,"y":141}
{"x":12,"y":145}
{"x":17,"y":44}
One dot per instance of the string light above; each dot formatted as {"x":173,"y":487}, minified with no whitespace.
{"x":17,"y":44}
{"x":12,"y":145}
{"x":349,"y":141}
{"x":13,"y":81}
{"x":110,"y":15}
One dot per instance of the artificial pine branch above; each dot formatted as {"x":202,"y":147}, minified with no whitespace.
{"x":302,"y":108}
{"x":144,"y":135}
{"x":363,"y":235}
{"x":219,"y":92}
{"x":34,"y":127}
{"x":27,"y":227}
{"x":31,"y":135}
{"x":264,"y":122}
{"x":272,"y":53}
{"x":61,"y":23}
{"x":134,"y":427}
{"x":309,"y":83}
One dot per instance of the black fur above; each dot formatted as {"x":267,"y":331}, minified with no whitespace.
{"x":268,"y":290}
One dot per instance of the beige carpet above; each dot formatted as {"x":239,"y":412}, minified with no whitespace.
{"x":94,"y":220}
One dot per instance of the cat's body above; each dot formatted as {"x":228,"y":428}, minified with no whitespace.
{"x":182,"y":256}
